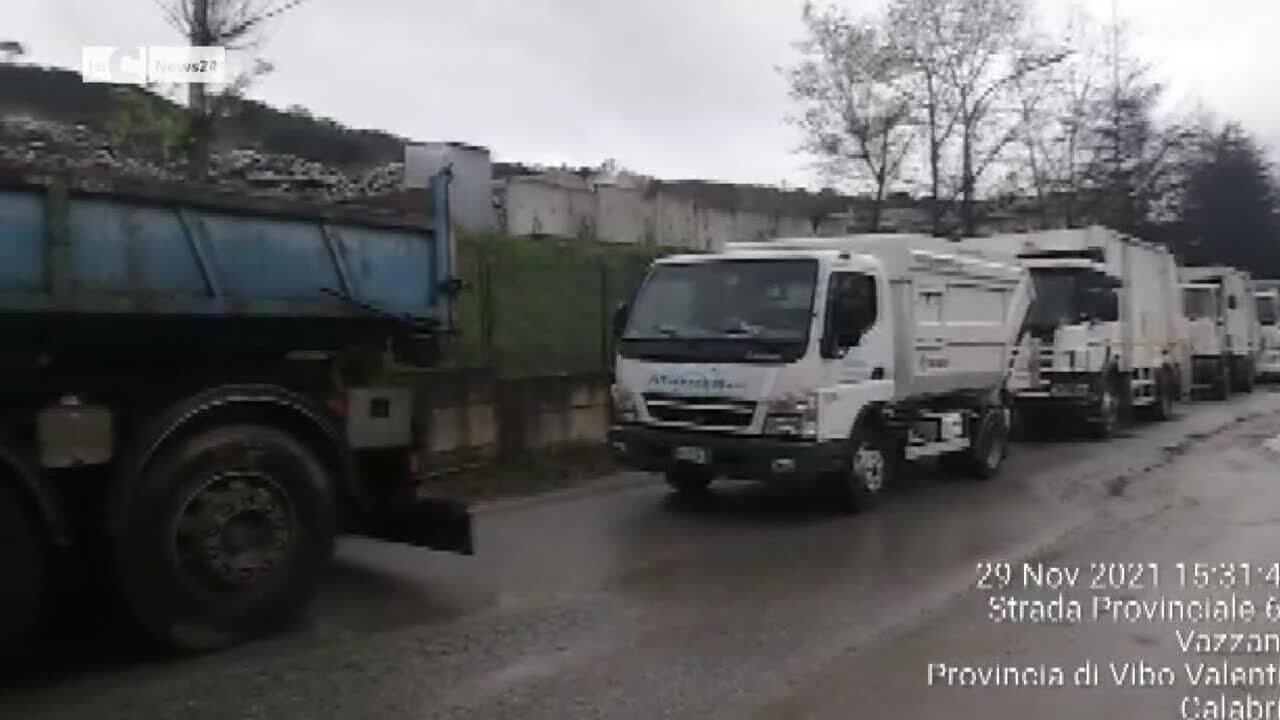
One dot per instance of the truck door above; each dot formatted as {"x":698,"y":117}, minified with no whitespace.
{"x":857,"y":348}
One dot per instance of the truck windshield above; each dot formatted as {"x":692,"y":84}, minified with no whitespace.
{"x":1267,"y":310}
{"x":1062,"y":296}
{"x":1200,"y":302}
{"x":752,"y":304}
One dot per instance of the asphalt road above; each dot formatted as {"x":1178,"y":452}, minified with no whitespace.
{"x":622,"y":602}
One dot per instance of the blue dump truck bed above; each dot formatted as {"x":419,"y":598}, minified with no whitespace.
{"x":119,"y":251}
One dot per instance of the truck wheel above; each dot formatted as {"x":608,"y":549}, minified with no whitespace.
{"x":1162,"y":409}
{"x":1107,"y":410}
{"x":1248,"y":380}
{"x":1222,"y":384}
{"x":226,"y":537}
{"x":866,"y":473}
{"x":983,"y":459}
{"x":689,"y":482}
{"x":25,"y":559}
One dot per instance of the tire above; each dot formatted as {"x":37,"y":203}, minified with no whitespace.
{"x":866,"y":473}
{"x":253,"y":486}
{"x":1222,"y":385}
{"x":1249,"y":380}
{"x":25,"y":557}
{"x":1163,"y":408}
{"x":688,"y":482}
{"x":983,"y":460}
{"x":1106,"y":420}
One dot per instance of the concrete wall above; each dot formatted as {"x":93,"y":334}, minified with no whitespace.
{"x":570,"y":207}
{"x":468,"y":417}
{"x":470,"y":193}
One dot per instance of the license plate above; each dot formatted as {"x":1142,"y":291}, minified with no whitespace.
{"x":695,"y":455}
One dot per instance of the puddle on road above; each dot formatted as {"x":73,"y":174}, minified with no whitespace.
{"x":1273,"y":444}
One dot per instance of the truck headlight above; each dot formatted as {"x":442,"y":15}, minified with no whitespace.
{"x":625,"y":409}
{"x":793,"y":416}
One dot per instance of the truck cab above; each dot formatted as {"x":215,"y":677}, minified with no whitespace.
{"x":1268,"y":304}
{"x":1105,"y":333}
{"x":1072,"y":329}
{"x":807,"y":360}
{"x":1223,"y":327}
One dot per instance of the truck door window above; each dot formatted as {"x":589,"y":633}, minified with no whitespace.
{"x":851,"y":309}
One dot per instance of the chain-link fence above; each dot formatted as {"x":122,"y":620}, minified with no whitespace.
{"x":537,"y":306}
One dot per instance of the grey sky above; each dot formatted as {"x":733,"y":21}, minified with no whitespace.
{"x":674,"y":88}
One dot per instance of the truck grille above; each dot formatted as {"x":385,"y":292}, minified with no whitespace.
{"x":702,"y":412}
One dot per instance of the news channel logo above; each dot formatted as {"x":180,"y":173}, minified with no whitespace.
{"x":141,"y":65}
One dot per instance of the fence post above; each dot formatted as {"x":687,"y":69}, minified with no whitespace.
{"x":606,"y":317}
{"x":487,"y":312}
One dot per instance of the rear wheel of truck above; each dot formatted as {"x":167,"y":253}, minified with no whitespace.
{"x":689,"y":482}
{"x":1162,"y":408}
{"x":226,"y":536}
{"x":1247,"y":377}
{"x":866,"y":472}
{"x":1221,"y":386}
{"x":983,"y":459}
{"x":24,"y":555}
{"x":1106,"y":411}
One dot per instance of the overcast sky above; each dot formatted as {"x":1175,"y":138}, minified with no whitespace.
{"x":673,"y":88}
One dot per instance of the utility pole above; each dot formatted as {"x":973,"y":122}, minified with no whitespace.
{"x":197,"y":99}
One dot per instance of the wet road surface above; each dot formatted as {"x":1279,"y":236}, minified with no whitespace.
{"x":622,"y":602}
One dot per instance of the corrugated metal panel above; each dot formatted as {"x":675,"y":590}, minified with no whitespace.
{"x":126,"y":255}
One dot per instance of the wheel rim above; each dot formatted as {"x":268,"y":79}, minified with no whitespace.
{"x":868,"y":468}
{"x":234,"y":532}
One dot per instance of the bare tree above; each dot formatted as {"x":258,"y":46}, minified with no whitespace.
{"x":1133,"y":158}
{"x":1057,"y":110}
{"x":855,"y":101}
{"x":969,"y":56}
{"x":918,"y":36}
{"x":235,"y":25}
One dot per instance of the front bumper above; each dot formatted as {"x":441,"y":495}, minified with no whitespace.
{"x":1061,"y":390}
{"x":1206,"y":369}
{"x":745,"y":458}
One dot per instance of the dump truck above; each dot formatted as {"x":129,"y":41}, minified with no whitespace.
{"x":1222,"y":316}
{"x":1267,"y":297}
{"x":195,"y":398}
{"x":824,"y":363}
{"x":1105,"y":337}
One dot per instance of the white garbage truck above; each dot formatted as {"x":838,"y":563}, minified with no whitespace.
{"x":818,"y":362}
{"x":1267,"y":296}
{"x":1105,"y":335}
{"x":1225,"y":335}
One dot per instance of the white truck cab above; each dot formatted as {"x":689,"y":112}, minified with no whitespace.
{"x":817,"y":359}
{"x":1267,"y":297}
{"x":1223,"y":323}
{"x":1105,"y":333}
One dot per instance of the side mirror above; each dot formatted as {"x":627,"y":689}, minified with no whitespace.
{"x":1231,"y":302}
{"x":620,"y":316}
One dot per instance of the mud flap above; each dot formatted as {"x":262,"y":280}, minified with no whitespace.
{"x":437,"y":523}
